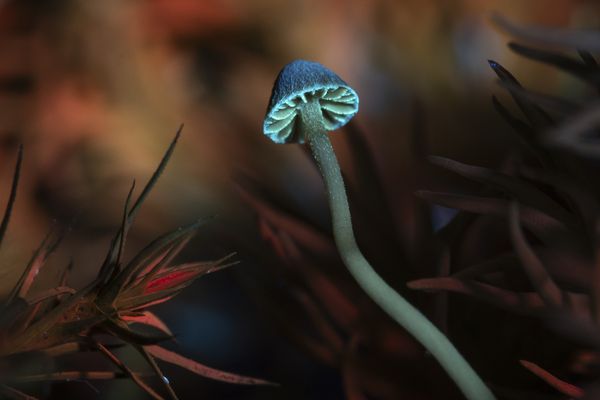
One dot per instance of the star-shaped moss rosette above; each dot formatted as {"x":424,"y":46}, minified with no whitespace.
{"x":62,"y":320}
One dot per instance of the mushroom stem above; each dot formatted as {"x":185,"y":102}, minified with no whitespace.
{"x":409,"y":317}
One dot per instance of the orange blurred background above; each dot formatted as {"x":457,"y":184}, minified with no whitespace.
{"x":95,"y":90}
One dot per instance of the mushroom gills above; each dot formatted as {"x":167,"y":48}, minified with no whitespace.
{"x":332,"y":94}
{"x":332,"y":121}
{"x":338,"y":108}
{"x":275,"y":126}
{"x":336,"y":104}
{"x":283,"y":112}
{"x":286,"y":134}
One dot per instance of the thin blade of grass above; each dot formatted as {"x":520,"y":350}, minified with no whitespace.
{"x":148,"y":318}
{"x":351,"y":375}
{"x":154,"y":178}
{"x":562,"y":386}
{"x":110,"y":265}
{"x":536,"y":115}
{"x":574,"y":67}
{"x":50,"y":293}
{"x":12,"y":196}
{"x":555,"y":104}
{"x":521,"y":303}
{"x":538,"y":276}
{"x":571,"y":135}
{"x":66,"y":273}
{"x":572,"y":192}
{"x":369,"y":187}
{"x":125,"y":228}
{"x":524,"y":192}
{"x":202,"y":370}
{"x":587,"y":58}
{"x":524,"y":132}
{"x":14,"y":394}
{"x":27,"y":317}
{"x":163,"y":379}
{"x":64,"y":348}
{"x":119,"y":238}
{"x":540,"y":223}
{"x":134,"y":376}
{"x":595,"y":289}
{"x":323,"y":325}
{"x":299,"y":230}
{"x":330,"y":294}
{"x":69,"y":376}
{"x":37,"y":261}
{"x":440,"y":311}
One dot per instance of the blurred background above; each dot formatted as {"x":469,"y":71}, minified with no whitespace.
{"x":95,"y":90}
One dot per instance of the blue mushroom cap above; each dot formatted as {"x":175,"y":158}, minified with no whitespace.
{"x":298,"y":81}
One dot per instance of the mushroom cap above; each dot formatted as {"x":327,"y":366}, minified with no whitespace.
{"x":296,"y":83}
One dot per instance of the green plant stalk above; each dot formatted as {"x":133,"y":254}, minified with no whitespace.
{"x":405,"y":314}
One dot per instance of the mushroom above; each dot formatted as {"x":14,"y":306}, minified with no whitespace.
{"x":307,"y":101}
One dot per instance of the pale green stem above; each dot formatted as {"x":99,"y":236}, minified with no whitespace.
{"x":385,"y":296}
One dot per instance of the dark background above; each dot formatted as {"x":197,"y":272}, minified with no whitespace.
{"x":95,"y":90}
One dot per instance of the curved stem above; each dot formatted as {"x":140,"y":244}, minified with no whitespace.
{"x":405,"y":314}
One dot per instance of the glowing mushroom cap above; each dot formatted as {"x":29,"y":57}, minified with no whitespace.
{"x":297,"y":83}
